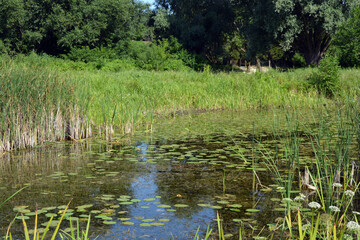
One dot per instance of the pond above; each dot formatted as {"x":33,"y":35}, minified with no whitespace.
{"x":164,"y":185}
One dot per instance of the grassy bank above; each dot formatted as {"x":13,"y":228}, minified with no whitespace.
{"x":44,"y":100}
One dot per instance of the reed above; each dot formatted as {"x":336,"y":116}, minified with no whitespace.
{"x":125,"y":100}
{"x":37,"y":105}
{"x":331,"y":175}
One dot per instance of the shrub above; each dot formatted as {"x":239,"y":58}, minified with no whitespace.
{"x":298,"y":60}
{"x":326,"y":77}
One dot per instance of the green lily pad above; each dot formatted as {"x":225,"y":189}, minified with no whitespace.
{"x":181,"y":205}
{"x":157,"y":224}
{"x":53,"y":223}
{"x":252,"y":210}
{"x":204,"y":205}
{"x":109,"y":222}
{"x":125,"y":203}
{"x":164,"y":206}
{"x":145,"y":224}
{"x":236,"y":205}
{"x":149,"y":199}
{"x":235,"y":210}
{"x":164,"y":220}
{"x":148,"y":220}
{"x":127,"y":223}
{"x":85,"y":206}
{"x":216,"y":207}
{"x":51,"y":215}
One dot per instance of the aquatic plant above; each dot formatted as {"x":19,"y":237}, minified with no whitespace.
{"x":38,"y":105}
{"x":75,"y":233}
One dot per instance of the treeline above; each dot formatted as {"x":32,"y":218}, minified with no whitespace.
{"x":180,"y":34}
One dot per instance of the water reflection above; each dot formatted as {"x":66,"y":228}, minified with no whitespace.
{"x":180,"y":177}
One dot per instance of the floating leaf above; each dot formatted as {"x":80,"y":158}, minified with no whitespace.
{"x":204,"y":205}
{"x":236,"y":205}
{"x":164,"y":206}
{"x":235,"y":210}
{"x":127,"y":223}
{"x":51,"y":215}
{"x":216,"y":207}
{"x":109,"y":222}
{"x":145,"y":224}
{"x":157,"y":224}
{"x":164,"y":220}
{"x":252,"y":210}
{"x":85,"y":206}
{"x":126,"y":203}
{"x":149,"y":199}
{"x":148,"y":220}
{"x":181,"y":205}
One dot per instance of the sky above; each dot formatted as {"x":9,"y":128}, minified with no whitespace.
{"x":148,"y":1}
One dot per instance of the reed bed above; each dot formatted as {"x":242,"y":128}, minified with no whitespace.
{"x":328,"y":184}
{"x":37,"y":105}
{"x":47,"y":100}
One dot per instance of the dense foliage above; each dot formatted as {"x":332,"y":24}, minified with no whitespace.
{"x":288,"y":33}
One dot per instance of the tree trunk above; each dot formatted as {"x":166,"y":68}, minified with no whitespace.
{"x":258,"y":64}
{"x":313,"y":45}
{"x":313,"y":58}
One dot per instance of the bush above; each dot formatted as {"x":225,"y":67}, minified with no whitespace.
{"x":298,"y":61}
{"x":326,"y":77}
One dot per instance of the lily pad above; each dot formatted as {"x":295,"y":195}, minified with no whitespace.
{"x":252,"y":210}
{"x":181,"y":205}
{"x":164,"y":220}
{"x":148,"y":220}
{"x":157,"y":224}
{"x":127,"y":223}
{"x":164,"y":206}
{"x":149,"y":199}
{"x":109,"y":222}
{"x":236,"y":205}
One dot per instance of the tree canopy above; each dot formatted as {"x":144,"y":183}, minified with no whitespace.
{"x":219,"y":30}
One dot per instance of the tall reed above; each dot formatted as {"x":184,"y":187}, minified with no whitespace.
{"x":37,"y":105}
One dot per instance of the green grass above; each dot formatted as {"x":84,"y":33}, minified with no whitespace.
{"x":37,"y":105}
{"x":333,"y":140}
{"x":127,"y":99}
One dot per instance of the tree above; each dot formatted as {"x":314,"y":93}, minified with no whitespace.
{"x":306,"y":26}
{"x":200,"y":25}
{"x":56,"y":26}
{"x":347,"y":40}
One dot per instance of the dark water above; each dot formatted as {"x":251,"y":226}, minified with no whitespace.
{"x":163,"y":185}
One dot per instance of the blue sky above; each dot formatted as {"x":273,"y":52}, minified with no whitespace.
{"x":148,"y":1}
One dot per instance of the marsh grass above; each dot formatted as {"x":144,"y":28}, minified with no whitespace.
{"x":37,"y":105}
{"x":332,"y":178}
{"x":121,"y":101}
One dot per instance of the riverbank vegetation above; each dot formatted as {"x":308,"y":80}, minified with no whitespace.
{"x":47,"y":99}
{"x":70,"y":67}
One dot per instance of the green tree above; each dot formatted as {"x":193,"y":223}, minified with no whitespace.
{"x":347,"y":40}
{"x":306,"y":26}
{"x":200,"y":25}
{"x":56,"y":26}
